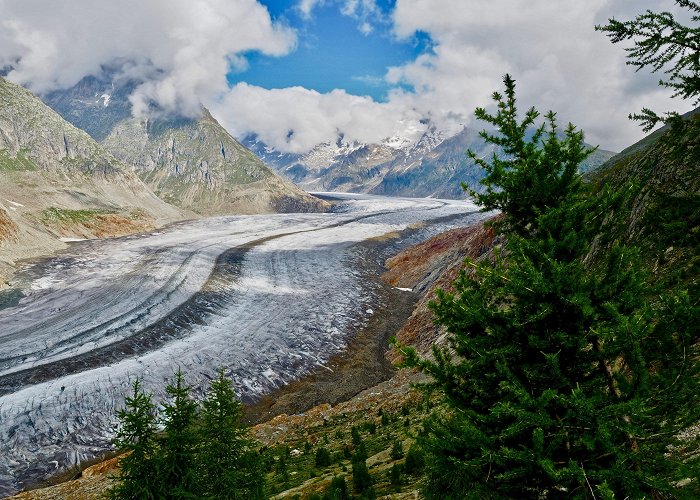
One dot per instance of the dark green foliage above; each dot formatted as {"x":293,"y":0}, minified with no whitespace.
{"x":532,"y":175}
{"x":323,"y":457}
{"x":561,"y":376}
{"x":228,"y":465}
{"x":355,"y":434}
{"x":177,"y":456}
{"x":385,"y":418}
{"x":662,"y":42}
{"x":281,"y":464}
{"x":361,"y":479}
{"x":199,"y":454}
{"x":138,"y":476}
{"x":396,"y":477}
{"x":415,"y":460}
{"x":338,"y":489}
{"x":397,"y":450}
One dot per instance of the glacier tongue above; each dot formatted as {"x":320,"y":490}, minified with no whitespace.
{"x":269,"y":298}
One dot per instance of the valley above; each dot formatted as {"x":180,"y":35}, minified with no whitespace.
{"x":268,"y":297}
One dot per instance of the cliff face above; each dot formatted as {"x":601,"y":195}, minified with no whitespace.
{"x":56,"y":181}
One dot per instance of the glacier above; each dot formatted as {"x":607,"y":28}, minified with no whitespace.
{"x":269,"y":298}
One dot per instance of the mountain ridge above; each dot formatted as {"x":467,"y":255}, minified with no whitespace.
{"x":192,"y":163}
{"x":435,"y":165}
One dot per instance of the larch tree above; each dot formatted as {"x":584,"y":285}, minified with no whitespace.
{"x":663,"y":43}
{"x":228,"y":463}
{"x":177,"y":459}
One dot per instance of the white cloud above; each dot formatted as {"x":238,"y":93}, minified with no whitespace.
{"x":182,"y":48}
{"x":366,"y":12}
{"x":551,"y":49}
{"x":295,"y":119}
{"x":306,"y":7}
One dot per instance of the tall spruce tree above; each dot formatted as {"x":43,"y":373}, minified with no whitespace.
{"x":177,"y":465}
{"x":559,"y":376}
{"x":228,"y":464}
{"x":136,"y":435}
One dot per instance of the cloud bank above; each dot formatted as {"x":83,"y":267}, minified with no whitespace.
{"x":181,"y":50}
{"x":552,"y":50}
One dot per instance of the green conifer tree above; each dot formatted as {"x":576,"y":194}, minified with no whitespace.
{"x":229,"y":467}
{"x":557,"y":365}
{"x":397,"y":450}
{"x":136,"y":435}
{"x":361,"y":479}
{"x":177,"y":466}
{"x":323,"y":457}
{"x":337,"y":490}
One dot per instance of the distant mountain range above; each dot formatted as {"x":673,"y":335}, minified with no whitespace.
{"x":433,"y":166}
{"x":184,"y":161}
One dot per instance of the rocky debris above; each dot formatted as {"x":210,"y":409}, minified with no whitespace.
{"x":435,"y":264}
{"x":92,"y":483}
{"x":389,"y":396}
{"x":8,"y":228}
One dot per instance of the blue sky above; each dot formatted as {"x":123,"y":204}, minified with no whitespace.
{"x":332,"y":52}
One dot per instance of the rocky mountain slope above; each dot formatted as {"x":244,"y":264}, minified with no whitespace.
{"x":434,"y":165}
{"x":662,"y":209}
{"x":57,"y":182}
{"x":192,"y":163}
